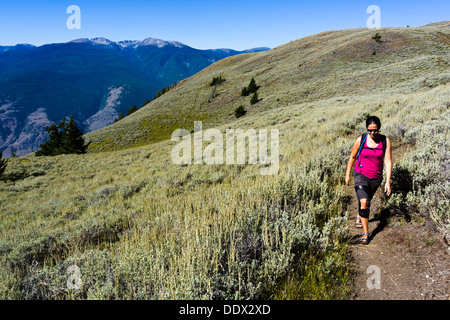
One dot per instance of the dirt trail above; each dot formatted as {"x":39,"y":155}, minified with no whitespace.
{"x":412,"y":259}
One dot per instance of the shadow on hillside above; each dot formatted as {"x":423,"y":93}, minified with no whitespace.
{"x":382,"y":219}
{"x":20,"y":174}
{"x":402,"y":184}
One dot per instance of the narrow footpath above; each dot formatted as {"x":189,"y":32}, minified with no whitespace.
{"x":405,"y":260}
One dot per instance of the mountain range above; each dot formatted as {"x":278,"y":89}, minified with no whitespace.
{"x":92,"y":79}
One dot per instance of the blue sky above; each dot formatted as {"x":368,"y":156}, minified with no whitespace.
{"x":236,"y":24}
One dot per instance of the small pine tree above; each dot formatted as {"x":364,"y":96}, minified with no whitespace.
{"x":239,"y":111}
{"x":244,"y":92}
{"x":132,"y":109}
{"x":64,"y":138}
{"x":73,"y":138}
{"x":252,"y":87}
{"x":377,"y":37}
{"x":54,"y":145}
{"x":3,"y":163}
{"x":216,"y":81}
{"x":254,"y":98}
{"x":164,"y":90}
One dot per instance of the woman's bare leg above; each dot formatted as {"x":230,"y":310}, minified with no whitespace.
{"x":365,"y":221}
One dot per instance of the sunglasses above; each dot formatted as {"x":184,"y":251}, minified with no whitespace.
{"x":372,"y":130}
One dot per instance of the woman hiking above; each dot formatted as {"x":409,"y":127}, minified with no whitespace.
{"x":369,"y":151}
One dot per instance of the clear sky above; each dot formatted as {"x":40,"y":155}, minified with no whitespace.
{"x":235,"y":24}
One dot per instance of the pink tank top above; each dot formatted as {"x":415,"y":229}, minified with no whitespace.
{"x":371,"y":160}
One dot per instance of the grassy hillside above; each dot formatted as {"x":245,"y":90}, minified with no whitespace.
{"x":329,"y":64}
{"x":140,"y":227}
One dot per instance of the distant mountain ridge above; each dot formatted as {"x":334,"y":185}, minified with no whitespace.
{"x":93,"y":79}
{"x":126,"y":44}
{"x":20,"y":46}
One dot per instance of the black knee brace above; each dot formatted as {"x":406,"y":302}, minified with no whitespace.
{"x":364,"y":213}
{"x":364,"y":194}
{"x":363,"y":188}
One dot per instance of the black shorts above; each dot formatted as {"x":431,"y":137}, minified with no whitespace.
{"x":364,"y":186}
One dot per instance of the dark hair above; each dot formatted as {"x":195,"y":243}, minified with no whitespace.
{"x":373,"y":119}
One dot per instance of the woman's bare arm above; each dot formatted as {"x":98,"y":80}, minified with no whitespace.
{"x":352,"y":160}
{"x":388,"y":162}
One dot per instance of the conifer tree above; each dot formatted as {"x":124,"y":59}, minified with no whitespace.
{"x":64,"y":138}
{"x":132,"y":110}
{"x":254,"y":98}
{"x":252,"y":87}
{"x":54,"y":145}
{"x":73,"y":138}
{"x":239,"y":111}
